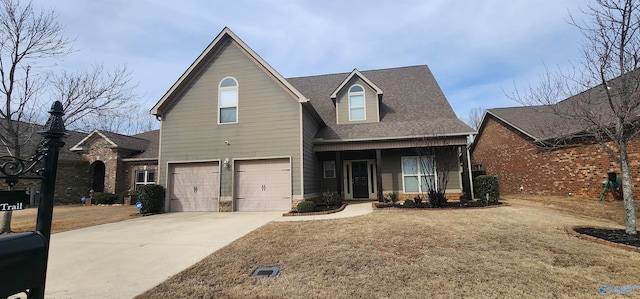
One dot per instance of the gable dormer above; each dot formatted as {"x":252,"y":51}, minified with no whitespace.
{"x":357,"y":100}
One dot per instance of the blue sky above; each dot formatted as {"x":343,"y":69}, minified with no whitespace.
{"x":477,"y":50}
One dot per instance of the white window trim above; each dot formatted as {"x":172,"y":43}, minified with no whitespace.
{"x":235,"y":88}
{"x":324,"y":169}
{"x":420,"y":173}
{"x":364,"y":102}
{"x":146,"y":177}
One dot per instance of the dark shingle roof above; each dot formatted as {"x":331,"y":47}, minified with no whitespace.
{"x":412,"y":105}
{"x":538,"y":122}
{"x":127,"y":142}
{"x":151,"y":152}
{"x":571,"y":117}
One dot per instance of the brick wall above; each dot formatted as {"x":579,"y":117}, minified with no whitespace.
{"x":101,"y":150}
{"x":580,"y":171}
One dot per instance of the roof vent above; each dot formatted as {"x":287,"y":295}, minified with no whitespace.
{"x":266,"y":271}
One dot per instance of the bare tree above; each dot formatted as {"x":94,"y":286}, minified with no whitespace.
{"x":28,"y":41}
{"x":602,"y":91}
{"x":86,"y":95}
{"x":474,"y":119}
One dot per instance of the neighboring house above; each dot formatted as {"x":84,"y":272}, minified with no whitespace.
{"x":117,"y":163}
{"x":71,"y":183}
{"x":518,"y":145}
{"x":237,"y":136}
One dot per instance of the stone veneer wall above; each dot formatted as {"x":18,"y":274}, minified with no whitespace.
{"x":580,"y":170}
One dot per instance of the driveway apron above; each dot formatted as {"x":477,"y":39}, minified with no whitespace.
{"x":123,"y":259}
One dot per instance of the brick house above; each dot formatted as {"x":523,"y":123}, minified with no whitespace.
{"x":512,"y":145}
{"x":115,"y":163}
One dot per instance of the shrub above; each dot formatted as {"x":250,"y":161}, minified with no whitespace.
{"x":484,"y":184}
{"x":104,"y":198}
{"x":409,"y":203}
{"x":392,"y":197}
{"x":152,"y":198}
{"x":306,"y":206}
{"x":332,"y":198}
{"x":437,"y":199}
{"x":418,"y":200}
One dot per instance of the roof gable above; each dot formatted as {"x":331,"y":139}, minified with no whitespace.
{"x":356,"y":73}
{"x":222,"y":39}
{"x":114,"y":140}
{"x":414,"y":106}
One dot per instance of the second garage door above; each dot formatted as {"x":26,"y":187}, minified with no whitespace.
{"x":194,"y":187}
{"x":263,"y":185}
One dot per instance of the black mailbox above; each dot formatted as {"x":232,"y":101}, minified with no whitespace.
{"x":22,"y":263}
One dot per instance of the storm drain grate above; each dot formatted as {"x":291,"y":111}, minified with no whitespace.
{"x":266,"y":271}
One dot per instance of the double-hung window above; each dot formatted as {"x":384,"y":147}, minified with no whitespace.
{"x":145,"y":177}
{"x":228,"y":101}
{"x":356,"y":103}
{"x":419,"y":174}
{"x":329,"y":169}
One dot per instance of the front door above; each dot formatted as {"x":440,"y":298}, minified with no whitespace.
{"x":360,"y":181}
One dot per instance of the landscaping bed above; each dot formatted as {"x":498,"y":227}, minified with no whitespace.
{"x":447,"y":205}
{"x":319,"y":210}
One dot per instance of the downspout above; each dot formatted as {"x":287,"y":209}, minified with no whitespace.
{"x":469,"y":166}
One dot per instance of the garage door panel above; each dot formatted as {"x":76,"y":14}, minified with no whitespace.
{"x":194,"y":187}
{"x":263,"y":185}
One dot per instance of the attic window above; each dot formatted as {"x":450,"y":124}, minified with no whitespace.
{"x":228,"y":101}
{"x":356,"y":103}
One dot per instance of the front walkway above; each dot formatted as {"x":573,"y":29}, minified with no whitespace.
{"x":351,"y":210}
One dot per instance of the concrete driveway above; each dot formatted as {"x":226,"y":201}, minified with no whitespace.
{"x":123,"y":259}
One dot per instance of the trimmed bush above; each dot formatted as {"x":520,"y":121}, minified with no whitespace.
{"x":484,"y":184}
{"x":306,"y":206}
{"x":332,"y":198}
{"x":152,"y":198}
{"x":409,"y":204}
{"x":437,"y":199}
{"x":104,"y":198}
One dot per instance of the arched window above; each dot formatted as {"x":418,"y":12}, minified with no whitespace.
{"x":228,"y":101}
{"x":356,"y":103}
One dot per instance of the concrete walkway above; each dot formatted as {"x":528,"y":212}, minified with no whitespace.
{"x":124,"y":259}
{"x":352,"y":210}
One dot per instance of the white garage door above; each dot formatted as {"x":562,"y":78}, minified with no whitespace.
{"x":263,"y":185}
{"x":194,"y":187}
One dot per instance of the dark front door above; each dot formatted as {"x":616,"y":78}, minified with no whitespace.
{"x":360,"y":180}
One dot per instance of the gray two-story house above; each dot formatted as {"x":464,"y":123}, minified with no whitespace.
{"x":235,"y":135}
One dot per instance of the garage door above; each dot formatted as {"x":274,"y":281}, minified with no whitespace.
{"x":263,"y":185}
{"x":194,"y":187}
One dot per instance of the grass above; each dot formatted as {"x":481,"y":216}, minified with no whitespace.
{"x":515,"y":251}
{"x":70,"y":217}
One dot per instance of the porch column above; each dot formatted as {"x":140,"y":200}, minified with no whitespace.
{"x":339,"y":173}
{"x":379,"y":173}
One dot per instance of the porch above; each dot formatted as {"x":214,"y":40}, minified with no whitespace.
{"x":371,"y":170}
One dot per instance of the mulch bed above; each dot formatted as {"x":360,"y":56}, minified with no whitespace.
{"x":448,"y":205}
{"x":611,"y":235}
{"x":607,"y":236}
{"x":320,"y":210}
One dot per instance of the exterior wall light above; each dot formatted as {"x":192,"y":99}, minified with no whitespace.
{"x":225,"y":163}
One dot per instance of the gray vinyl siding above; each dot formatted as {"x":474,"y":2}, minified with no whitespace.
{"x":268,"y":119}
{"x":312,"y":166}
{"x":392,"y":169}
{"x":371,"y":103}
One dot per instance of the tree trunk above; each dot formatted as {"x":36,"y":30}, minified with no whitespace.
{"x":6,"y":222}
{"x":627,"y":191}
